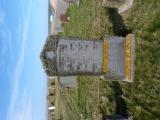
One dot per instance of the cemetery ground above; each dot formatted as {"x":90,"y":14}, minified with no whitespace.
{"x":94,"y":98}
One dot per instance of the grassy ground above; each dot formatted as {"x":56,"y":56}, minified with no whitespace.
{"x":94,"y":97}
{"x":143,"y":95}
{"x":87,"y":20}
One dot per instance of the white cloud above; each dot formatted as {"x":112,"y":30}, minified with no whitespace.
{"x":11,"y":115}
{"x":6,"y":49}
{"x":23,"y":109}
{"x":2,"y":16}
{"x":6,"y":41}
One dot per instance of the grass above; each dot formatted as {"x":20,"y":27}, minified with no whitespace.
{"x":94,"y":97}
{"x":86,"y":21}
{"x":143,"y":95}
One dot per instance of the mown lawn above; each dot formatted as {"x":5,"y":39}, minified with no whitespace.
{"x":95,"y":97}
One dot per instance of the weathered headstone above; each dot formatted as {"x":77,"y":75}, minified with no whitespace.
{"x":112,"y":57}
{"x":68,"y":82}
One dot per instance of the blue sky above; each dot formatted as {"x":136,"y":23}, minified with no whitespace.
{"x":23,"y":83}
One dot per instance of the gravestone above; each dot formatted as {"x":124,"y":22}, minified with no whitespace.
{"x":112,"y":57}
{"x":68,"y":82}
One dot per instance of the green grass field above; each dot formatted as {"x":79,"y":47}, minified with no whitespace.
{"x":94,"y":97}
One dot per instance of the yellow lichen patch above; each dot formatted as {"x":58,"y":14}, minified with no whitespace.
{"x":128,"y":56}
{"x":105,"y":64}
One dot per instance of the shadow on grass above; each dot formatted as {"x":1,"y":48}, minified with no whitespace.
{"x":119,"y":28}
{"x":121,"y":107}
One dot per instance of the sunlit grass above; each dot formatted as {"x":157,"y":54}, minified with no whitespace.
{"x":94,"y":97}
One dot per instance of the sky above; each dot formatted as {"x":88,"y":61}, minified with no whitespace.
{"x":23,"y":83}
